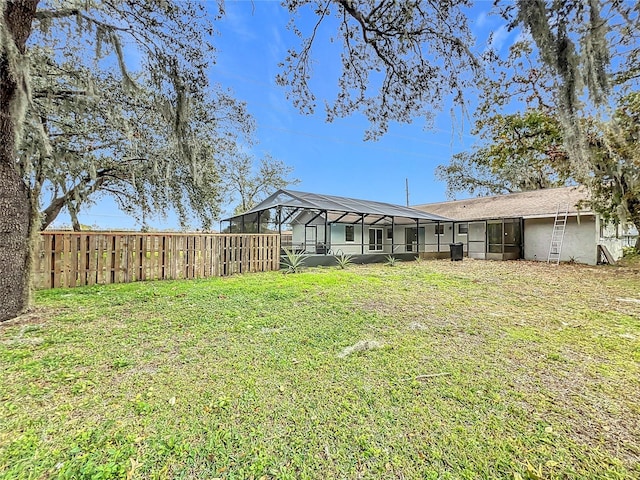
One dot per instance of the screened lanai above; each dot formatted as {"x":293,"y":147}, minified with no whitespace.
{"x":328,"y":225}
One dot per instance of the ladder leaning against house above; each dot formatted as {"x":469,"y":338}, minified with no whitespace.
{"x":557,"y":236}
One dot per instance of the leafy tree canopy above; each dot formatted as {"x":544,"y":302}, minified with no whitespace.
{"x":590,"y":51}
{"x":519,"y":152}
{"x":400,"y":60}
{"x":529,"y":150}
{"x":153,"y":142}
{"x":248,"y":184}
{"x":87,"y":134}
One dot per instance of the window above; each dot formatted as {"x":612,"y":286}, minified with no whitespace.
{"x":463,"y":228}
{"x":440,"y":229}
{"x":375,"y":239}
{"x":349,"y":233}
{"x":389,"y":233}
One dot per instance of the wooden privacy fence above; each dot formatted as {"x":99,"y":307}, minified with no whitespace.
{"x":70,"y":259}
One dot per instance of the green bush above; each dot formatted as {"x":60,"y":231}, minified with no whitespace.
{"x":293,"y":262}
{"x":343,"y":260}
{"x":391,"y":261}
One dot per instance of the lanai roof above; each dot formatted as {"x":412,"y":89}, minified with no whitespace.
{"x":533,"y":204}
{"x":337,"y":207}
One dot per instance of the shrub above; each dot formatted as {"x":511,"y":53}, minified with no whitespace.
{"x":343,"y":260}
{"x":391,"y":261}
{"x":293,"y":262}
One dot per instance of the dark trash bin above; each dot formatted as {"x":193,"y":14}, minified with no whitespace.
{"x":456,"y":251}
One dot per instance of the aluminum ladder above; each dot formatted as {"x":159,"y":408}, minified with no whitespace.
{"x":557,"y":236}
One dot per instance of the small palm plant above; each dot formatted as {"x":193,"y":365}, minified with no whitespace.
{"x":343,"y":260}
{"x":293,"y":262}
{"x":391,"y":261}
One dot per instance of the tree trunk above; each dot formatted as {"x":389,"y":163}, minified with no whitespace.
{"x":15,"y":211}
{"x":14,"y":237}
{"x":51,"y":212}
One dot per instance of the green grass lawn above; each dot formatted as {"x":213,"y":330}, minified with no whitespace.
{"x":456,"y":370}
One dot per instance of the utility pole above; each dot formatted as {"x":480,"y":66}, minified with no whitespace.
{"x":406,"y":187}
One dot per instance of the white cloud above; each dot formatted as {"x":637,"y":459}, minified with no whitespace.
{"x":235,"y":17}
{"x":481,"y":21}
{"x":498,"y":38}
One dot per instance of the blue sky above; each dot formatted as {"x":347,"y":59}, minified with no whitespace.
{"x":329,"y":158}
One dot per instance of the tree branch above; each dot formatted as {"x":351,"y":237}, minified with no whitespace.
{"x":49,"y":14}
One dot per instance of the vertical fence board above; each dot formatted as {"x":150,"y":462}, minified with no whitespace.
{"x":69,"y":259}
{"x":81,"y":275}
{"x":92,"y":260}
{"x":162,"y":257}
{"x":45,"y":281}
{"x":116,"y":258}
{"x":109,"y":258}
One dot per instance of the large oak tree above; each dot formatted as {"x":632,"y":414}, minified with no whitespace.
{"x":172,"y":39}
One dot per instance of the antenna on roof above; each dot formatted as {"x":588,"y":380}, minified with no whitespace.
{"x":406,"y":187}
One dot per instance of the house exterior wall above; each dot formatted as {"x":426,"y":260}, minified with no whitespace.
{"x":435,"y":242}
{"x":298,"y":231}
{"x":336,"y":237}
{"x":389,"y":245}
{"x":579,"y":243}
{"x":338,"y":244}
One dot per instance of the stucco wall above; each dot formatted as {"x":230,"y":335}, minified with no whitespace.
{"x":579,"y":243}
{"x":338,"y":243}
{"x":430,"y":243}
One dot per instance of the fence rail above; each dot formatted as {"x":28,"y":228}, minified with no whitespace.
{"x":70,"y":259}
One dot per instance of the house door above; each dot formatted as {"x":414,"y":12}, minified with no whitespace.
{"x":375,"y":239}
{"x":411,"y":239}
{"x":476,"y":240}
{"x":495,"y":236}
{"x":310,"y":236}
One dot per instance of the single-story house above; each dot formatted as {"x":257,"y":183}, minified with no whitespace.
{"x":520,"y":225}
{"x":504,"y":227}
{"x":325,"y":225}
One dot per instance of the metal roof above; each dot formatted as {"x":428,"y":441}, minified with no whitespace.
{"x":342,"y":205}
